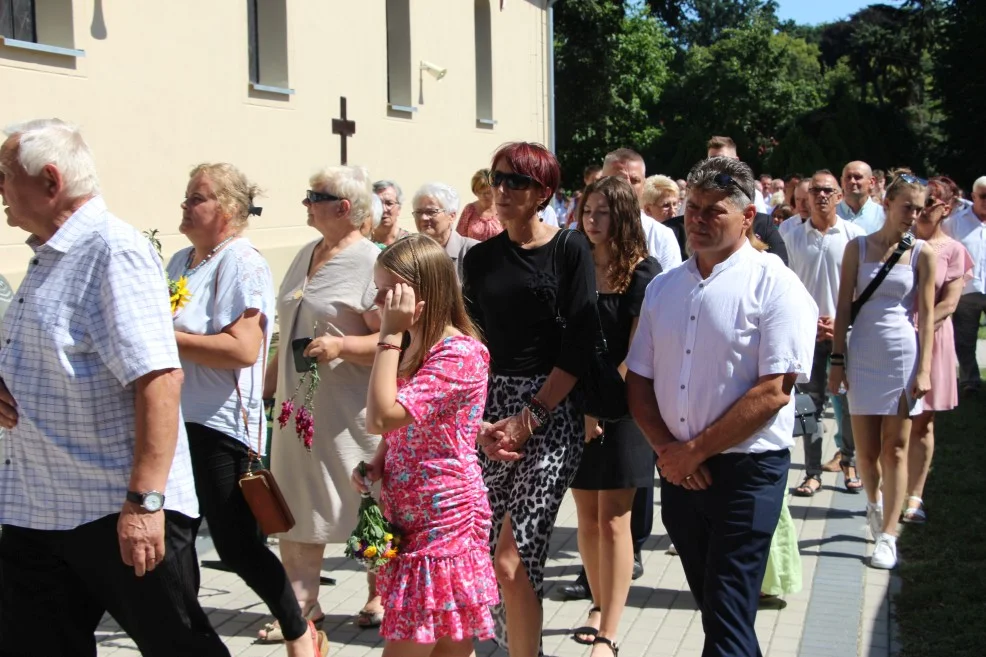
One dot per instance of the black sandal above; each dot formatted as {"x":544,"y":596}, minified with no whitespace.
{"x":587,"y":630}
{"x":612,"y":646}
{"x":806,"y":490}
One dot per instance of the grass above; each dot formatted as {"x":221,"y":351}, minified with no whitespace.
{"x":982,"y":332}
{"x":943,"y":567}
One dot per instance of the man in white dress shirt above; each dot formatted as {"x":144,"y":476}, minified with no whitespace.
{"x":720,"y":343}
{"x":814,"y":253}
{"x":802,"y":210}
{"x":967,"y":224}
{"x":858,"y":206}
{"x":97,"y":497}
{"x":661,"y":242}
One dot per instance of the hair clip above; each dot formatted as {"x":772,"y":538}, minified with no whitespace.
{"x":254,"y":210}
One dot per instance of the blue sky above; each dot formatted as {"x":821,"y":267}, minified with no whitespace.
{"x":821,"y":11}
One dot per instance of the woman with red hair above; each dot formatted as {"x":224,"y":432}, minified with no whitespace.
{"x":532,"y":291}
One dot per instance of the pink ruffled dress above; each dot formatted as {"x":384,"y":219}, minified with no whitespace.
{"x":442,"y":582}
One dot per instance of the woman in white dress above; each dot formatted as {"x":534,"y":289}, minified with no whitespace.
{"x":888,"y":367}
{"x":327,"y":296}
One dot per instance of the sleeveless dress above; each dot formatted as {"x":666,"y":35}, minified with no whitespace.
{"x":883,"y":345}
{"x":953,"y":262}
{"x":442,"y":582}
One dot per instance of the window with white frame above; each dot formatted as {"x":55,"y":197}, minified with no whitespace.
{"x":267,"y":45}
{"x":399,"y":94}
{"x":484,"y":63}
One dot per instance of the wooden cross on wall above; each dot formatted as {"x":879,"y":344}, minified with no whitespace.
{"x":344,"y":128}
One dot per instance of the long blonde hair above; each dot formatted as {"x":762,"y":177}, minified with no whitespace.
{"x":424,"y":264}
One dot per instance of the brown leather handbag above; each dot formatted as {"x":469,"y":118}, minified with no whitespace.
{"x":260,"y":490}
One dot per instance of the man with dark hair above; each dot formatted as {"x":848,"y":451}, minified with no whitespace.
{"x":591,"y":174}
{"x":720,"y":343}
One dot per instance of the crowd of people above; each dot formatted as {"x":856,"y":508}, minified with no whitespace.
{"x":457,"y":369}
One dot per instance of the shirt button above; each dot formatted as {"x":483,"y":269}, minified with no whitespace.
{"x":682,"y":387}
{"x":688,"y":351}
{"x":693,"y":317}
{"x":682,"y":419}
{"x":35,"y":261}
{"x":21,"y":300}
{"x":8,"y":340}
{"x":701,"y":284}
{"x":7,"y":462}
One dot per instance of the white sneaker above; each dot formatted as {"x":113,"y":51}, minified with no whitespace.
{"x":874,"y":519}
{"x":885,"y":552}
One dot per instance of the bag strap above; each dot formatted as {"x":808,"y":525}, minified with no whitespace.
{"x":554,"y":271}
{"x":906,"y":242}
{"x":254,"y":455}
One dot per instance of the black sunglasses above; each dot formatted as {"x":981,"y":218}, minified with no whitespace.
{"x":725,"y":180}
{"x":515,"y":181}
{"x":319,"y":197}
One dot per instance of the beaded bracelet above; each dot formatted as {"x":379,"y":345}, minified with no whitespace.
{"x":539,"y":412}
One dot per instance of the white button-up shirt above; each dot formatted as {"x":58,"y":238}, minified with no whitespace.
{"x":870,"y":216}
{"x":661,"y":242}
{"x":816,"y":258}
{"x":966,"y":227}
{"x":90,"y":318}
{"x":788,"y":225}
{"x":706,"y":342}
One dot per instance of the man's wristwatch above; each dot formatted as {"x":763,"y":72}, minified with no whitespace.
{"x":150,"y":501}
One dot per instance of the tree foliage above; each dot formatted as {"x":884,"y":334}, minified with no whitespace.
{"x":611,"y":68}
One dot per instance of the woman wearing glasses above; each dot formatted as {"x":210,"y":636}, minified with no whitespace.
{"x":531,"y":290}
{"x":326,"y":297}
{"x":435,"y":206}
{"x":660,"y":198}
{"x":953,"y":269}
{"x":887,"y":369}
{"x":388,"y":230}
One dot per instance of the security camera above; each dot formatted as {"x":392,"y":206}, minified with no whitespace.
{"x":434,"y":69}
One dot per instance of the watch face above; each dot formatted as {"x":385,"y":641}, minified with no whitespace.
{"x":153,"y":501}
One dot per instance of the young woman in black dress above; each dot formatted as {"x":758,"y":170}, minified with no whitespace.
{"x":617,"y":462}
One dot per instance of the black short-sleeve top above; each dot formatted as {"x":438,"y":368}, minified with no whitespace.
{"x":517,"y":297}
{"x":617,"y":311}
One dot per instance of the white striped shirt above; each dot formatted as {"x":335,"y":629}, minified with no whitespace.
{"x":90,"y":318}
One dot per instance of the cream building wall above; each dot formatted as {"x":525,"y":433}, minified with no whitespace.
{"x":163,"y":86}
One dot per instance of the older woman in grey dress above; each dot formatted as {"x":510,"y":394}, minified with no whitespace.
{"x":327,"y":295}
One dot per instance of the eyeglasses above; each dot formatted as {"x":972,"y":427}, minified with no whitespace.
{"x":389,"y":205}
{"x":430,"y":213}
{"x":514,"y":181}
{"x":818,"y":191}
{"x":724,"y":180}
{"x":981,"y":197}
{"x":931,"y":203}
{"x":319,"y":197}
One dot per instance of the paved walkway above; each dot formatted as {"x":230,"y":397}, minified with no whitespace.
{"x":843,"y":609}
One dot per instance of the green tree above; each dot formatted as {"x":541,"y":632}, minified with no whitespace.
{"x":750,"y":85}
{"x":703,"y":22}
{"x":611,"y":67}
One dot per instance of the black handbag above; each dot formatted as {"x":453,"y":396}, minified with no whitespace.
{"x":602,"y":390}
{"x":805,"y":421}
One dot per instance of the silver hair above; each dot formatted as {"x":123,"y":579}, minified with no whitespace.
{"x":351,"y":183}
{"x":384,"y":185}
{"x":706,"y":174}
{"x":52,"y":141}
{"x":376,"y":208}
{"x":979,"y":184}
{"x":444,"y":194}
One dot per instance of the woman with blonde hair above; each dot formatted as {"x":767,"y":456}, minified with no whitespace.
{"x":326,"y":300}
{"x":223,"y":333}
{"x":660,"y":198}
{"x":887,"y":370}
{"x":620,"y":460}
{"x":479,"y":219}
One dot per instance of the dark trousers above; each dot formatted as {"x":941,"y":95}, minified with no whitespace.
{"x":965,"y":323}
{"x":817,"y":389}
{"x":218,"y":462}
{"x":723,"y":538}
{"x":642,"y":515}
{"x":56,"y":585}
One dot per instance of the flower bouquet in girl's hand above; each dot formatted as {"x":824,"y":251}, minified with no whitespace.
{"x":374,"y":542}
{"x":304,"y":415}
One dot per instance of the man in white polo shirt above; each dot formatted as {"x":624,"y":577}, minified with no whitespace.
{"x":814,"y":253}
{"x":720,"y":343}
{"x":967,"y":224}
{"x":661,"y":242}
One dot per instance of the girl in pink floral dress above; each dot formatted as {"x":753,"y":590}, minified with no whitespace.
{"x":426,"y":397}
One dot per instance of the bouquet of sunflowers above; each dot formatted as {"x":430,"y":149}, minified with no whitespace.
{"x":374,"y":542}
{"x":177,"y":290}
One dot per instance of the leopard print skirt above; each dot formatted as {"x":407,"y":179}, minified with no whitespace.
{"x":531,"y":490}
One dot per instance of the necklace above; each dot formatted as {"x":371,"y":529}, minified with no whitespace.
{"x":189,"y":270}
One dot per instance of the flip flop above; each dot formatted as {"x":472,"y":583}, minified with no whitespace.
{"x":320,"y":642}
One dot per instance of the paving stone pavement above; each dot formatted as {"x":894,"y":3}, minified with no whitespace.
{"x":844,"y":608}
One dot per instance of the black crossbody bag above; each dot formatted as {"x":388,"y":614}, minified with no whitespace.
{"x":602,"y":390}
{"x":906,"y":242}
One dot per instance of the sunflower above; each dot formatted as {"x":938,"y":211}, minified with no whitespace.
{"x":178,"y":290}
